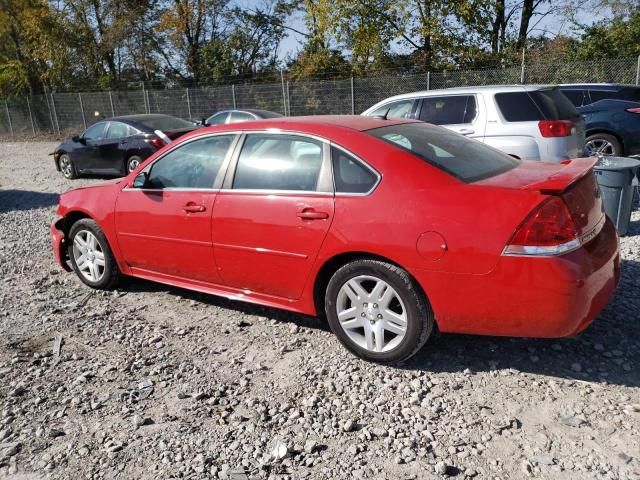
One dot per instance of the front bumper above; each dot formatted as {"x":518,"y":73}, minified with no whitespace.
{"x":57,"y":243}
{"x":529,"y":297}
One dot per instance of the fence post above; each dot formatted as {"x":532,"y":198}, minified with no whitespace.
{"x":638,"y":71}
{"x":188,"y":104}
{"x":233,"y":95}
{"x":6,"y":106}
{"x":55,"y":113}
{"x":522,"y":69}
{"x":46,"y":97}
{"x":288,"y":100}
{"x":428,"y":80}
{"x":84,"y":119}
{"x":353,"y":98}
{"x":113,"y":111}
{"x":284,"y":92}
{"x":33,"y":125}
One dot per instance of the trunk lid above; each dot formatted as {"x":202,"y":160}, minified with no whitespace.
{"x":572,"y":180}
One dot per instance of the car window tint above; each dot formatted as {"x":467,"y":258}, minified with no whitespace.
{"x":629,"y":93}
{"x":449,"y":110}
{"x":94,"y":132}
{"x":577,"y":97}
{"x":192,"y":165}
{"x":554,"y":104}
{"x":218,"y":118}
{"x":166,"y":123}
{"x":350,"y":175}
{"x":278,"y":162}
{"x":240,"y":117}
{"x":399,"y":109}
{"x":465,"y":159}
{"x":518,"y":107}
{"x":597,"y":95}
{"x":117,"y":130}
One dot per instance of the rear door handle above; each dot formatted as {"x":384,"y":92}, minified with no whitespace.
{"x":193,"y":208}
{"x":311,"y":214}
{"x":466,"y":131}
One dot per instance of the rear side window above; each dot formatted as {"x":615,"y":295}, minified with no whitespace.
{"x":449,"y":110}
{"x":467,"y":160}
{"x":597,"y":95}
{"x":278,"y":162}
{"x":399,"y":109}
{"x":349,"y":175}
{"x":240,"y":117}
{"x":629,"y":93}
{"x":549,"y":104}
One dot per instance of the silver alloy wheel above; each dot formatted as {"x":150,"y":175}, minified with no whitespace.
{"x":133,"y":164}
{"x":599,"y":145}
{"x":65,"y":166}
{"x":88,"y":255}
{"x":371,"y":313}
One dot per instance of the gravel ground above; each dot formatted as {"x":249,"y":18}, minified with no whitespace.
{"x":157,"y":382}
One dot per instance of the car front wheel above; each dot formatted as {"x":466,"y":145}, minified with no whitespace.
{"x":91,"y":256}
{"x":377,"y":311}
{"x":67,"y":167}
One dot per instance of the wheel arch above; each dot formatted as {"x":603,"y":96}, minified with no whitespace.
{"x":56,"y":157}
{"x":593,"y":131}
{"x":331,"y":266}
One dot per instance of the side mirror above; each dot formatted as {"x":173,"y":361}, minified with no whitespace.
{"x":141,"y":180}
{"x":75,"y":139}
{"x":203,"y":122}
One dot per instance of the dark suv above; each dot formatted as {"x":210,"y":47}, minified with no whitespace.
{"x":612,"y":114}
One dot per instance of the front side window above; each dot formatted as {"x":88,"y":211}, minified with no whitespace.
{"x":117,"y":130}
{"x":465,"y":159}
{"x":399,"y":109}
{"x":449,"y":110}
{"x":349,"y":175}
{"x":278,"y":162}
{"x":192,"y":165}
{"x":240,"y":117}
{"x":218,"y":118}
{"x":94,"y":132}
{"x":577,"y":97}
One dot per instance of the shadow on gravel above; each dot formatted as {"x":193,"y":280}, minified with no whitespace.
{"x":11,"y":200}
{"x":608,"y":351}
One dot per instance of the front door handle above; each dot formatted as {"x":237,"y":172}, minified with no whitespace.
{"x":466,"y":131}
{"x":311,"y":214}
{"x":193,"y":208}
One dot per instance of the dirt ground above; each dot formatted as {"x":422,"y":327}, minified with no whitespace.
{"x":156,"y":382}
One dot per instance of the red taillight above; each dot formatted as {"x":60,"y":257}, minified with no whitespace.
{"x":555,"y":128}
{"x":632,"y":110}
{"x":549,"y":230}
{"x":156,"y":142}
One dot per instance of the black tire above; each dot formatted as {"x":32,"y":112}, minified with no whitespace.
{"x":111,"y":275}
{"x":67,"y":168}
{"x":420,"y":318}
{"x":615,"y":148}
{"x":132,"y":163}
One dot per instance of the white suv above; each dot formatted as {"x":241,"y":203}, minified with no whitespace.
{"x":530,"y":122}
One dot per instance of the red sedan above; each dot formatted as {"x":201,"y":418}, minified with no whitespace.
{"x":385,"y":227}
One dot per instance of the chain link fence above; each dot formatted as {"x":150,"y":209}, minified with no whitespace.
{"x":64,"y":113}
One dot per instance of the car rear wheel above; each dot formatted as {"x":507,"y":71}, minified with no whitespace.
{"x":67,"y":167}
{"x":603,"y":144}
{"x":377,"y":311}
{"x":133,"y":162}
{"x":91,"y":256}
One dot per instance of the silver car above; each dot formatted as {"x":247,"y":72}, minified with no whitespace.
{"x":529,"y":122}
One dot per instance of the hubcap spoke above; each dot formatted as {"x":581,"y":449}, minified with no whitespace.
{"x":88,"y":255}
{"x":371,"y":313}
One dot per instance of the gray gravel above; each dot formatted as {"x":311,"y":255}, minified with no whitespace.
{"x":155,"y":382}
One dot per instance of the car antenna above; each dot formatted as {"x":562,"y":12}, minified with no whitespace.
{"x":384,"y":117}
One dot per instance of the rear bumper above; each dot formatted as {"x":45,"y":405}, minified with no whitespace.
{"x":529,"y":297}
{"x":57,"y":243}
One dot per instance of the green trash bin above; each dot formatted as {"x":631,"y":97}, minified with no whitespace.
{"x":615,"y":176}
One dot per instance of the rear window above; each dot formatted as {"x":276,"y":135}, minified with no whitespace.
{"x":167,"y":123}
{"x":467,"y":160}
{"x":549,"y":104}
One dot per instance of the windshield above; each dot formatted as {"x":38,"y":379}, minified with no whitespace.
{"x":467,"y":160}
{"x":167,"y":123}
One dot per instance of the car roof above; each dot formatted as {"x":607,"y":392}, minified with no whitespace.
{"x":255,"y":111}
{"x":138,"y":118}
{"x":312,"y":124}
{"x":599,"y":86}
{"x":476,"y":89}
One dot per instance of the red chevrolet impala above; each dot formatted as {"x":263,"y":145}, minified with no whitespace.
{"x":385,"y":227}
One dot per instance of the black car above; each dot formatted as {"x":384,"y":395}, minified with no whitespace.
{"x":116,"y":146}
{"x":612,"y":115}
{"x":237,"y":115}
